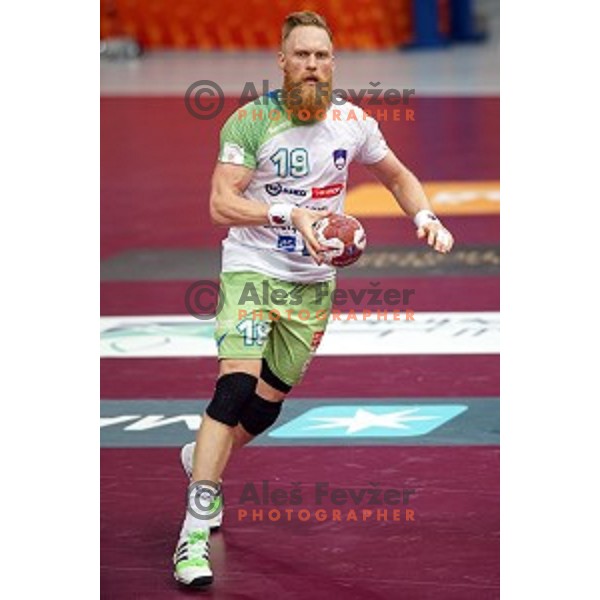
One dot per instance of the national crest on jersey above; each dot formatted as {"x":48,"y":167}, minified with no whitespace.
{"x":339,"y":158}
{"x":294,"y":163}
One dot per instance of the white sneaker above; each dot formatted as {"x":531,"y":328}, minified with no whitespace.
{"x":187,"y":462}
{"x":190,"y":561}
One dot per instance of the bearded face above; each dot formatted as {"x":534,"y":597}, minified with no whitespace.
{"x":307,"y":63}
{"x":307,"y":97}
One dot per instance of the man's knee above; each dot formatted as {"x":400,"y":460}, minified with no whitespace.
{"x":259,"y":414}
{"x":232,"y":392}
{"x":263,"y":409}
{"x":239,"y":400}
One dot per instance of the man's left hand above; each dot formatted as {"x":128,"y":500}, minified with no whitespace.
{"x":438,"y":237}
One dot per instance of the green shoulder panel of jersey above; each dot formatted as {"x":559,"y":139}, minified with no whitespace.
{"x":249,"y":127}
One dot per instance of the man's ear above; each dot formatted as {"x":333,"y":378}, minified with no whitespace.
{"x":280,"y":59}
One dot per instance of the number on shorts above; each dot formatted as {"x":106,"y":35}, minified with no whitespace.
{"x":254,"y":332}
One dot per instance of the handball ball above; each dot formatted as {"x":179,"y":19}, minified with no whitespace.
{"x":344,"y":236}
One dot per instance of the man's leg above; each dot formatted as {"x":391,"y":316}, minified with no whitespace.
{"x":235,"y":387}
{"x":245,"y":404}
{"x":215,"y":441}
{"x":292,"y":343}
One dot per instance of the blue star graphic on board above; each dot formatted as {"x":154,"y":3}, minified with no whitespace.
{"x":364,"y":419}
{"x":368,"y":421}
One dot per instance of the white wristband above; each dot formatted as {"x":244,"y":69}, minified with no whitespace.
{"x":424,"y":216}
{"x":280,"y":215}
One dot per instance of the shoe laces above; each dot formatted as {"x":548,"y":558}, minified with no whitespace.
{"x":198,"y":544}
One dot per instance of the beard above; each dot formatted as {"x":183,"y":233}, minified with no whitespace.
{"x":307,"y":103}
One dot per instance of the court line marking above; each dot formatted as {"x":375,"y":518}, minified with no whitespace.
{"x":430,"y":333}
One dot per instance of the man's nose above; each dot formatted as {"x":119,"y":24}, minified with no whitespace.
{"x":311,"y":63}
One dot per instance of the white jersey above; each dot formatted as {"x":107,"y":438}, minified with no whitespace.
{"x":301,"y":164}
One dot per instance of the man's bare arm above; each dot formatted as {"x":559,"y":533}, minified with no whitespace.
{"x":227,"y":205}
{"x":411,"y":198}
{"x":405,"y":187}
{"x":229,"y":208}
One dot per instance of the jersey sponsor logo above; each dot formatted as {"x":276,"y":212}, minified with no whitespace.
{"x":339,"y":158}
{"x":328,"y":191}
{"x":274,"y":189}
{"x":287,"y":243}
{"x":232,"y":153}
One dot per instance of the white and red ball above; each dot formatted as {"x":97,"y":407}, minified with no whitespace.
{"x":344,"y":236}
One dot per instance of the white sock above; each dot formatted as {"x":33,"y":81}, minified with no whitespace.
{"x":191,"y":523}
{"x":197,"y":499}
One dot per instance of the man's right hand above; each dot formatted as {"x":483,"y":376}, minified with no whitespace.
{"x":303,"y":220}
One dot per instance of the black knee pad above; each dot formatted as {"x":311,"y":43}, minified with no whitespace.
{"x":232,"y":392}
{"x":258,"y":415}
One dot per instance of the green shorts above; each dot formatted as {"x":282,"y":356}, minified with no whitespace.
{"x":280,"y":321}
